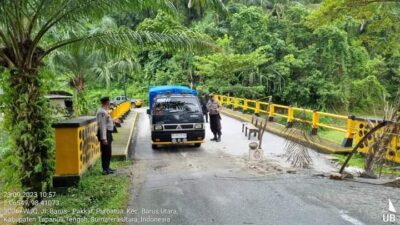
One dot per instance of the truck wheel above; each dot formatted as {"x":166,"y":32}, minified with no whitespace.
{"x":197,"y":145}
{"x":154,"y":147}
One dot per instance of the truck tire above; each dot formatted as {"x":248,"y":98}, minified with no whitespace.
{"x":154,"y":147}
{"x":197,"y":145}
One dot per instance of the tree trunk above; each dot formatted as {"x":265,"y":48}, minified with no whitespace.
{"x":30,"y":128}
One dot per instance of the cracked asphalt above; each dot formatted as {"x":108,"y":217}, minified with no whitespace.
{"x":214,"y":184}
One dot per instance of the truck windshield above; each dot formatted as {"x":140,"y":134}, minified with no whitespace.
{"x":176,"y":105}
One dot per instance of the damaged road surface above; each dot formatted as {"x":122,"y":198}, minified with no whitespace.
{"x":187,"y":185}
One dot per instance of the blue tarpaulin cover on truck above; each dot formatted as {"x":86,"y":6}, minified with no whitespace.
{"x":157,"y":90}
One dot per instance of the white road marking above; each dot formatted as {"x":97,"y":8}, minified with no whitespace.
{"x":391,"y":207}
{"x":350,"y":219}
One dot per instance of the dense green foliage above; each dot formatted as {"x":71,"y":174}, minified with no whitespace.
{"x":314,"y":54}
{"x":305,"y":53}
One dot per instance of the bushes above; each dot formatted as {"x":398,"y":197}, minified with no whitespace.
{"x":367,"y":94}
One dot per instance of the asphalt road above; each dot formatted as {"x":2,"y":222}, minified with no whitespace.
{"x":215,"y":185}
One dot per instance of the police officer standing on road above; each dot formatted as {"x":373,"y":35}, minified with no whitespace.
{"x":105,"y":129}
{"x":215,"y":118}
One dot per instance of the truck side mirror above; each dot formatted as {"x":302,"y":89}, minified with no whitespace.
{"x":148,"y":111}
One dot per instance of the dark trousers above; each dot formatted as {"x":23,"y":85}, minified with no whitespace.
{"x":106,"y":152}
{"x":215,"y":124}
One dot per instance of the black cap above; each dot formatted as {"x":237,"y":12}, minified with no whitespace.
{"x":105,"y":99}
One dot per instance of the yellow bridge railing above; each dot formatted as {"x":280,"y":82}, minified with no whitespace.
{"x":351,"y":126}
{"x":120,"y":110}
{"x":289,"y":113}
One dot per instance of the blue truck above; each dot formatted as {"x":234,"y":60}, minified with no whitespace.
{"x":176,"y":116}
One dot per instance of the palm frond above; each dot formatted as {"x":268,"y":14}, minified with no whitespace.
{"x":187,"y":41}
{"x":298,"y":153}
{"x":27,"y":23}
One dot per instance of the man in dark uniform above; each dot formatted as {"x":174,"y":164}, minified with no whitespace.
{"x":105,"y":129}
{"x":215,"y":118}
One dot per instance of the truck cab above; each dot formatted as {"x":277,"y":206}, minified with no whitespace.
{"x":176,"y":117}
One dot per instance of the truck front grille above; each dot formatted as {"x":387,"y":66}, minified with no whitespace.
{"x":179,"y":126}
{"x":170,"y":127}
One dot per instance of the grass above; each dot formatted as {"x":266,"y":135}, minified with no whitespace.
{"x":94,"y":193}
{"x":358,"y":161}
{"x":331,"y":135}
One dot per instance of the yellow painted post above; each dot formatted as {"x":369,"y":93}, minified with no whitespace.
{"x":348,"y":140}
{"x":245,"y":105}
{"x":290,"y":118}
{"x":228,"y":101}
{"x":271,"y":112}
{"x":116,"y":111}
{"x":122,"y":110}
{"x":315,"y":121}
{"x":235,"y":103}
{"x":257,"y":108}
{"x":76,"y":149}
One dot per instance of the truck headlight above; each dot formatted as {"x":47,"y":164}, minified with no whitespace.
{"x":158,"y":127}
{"x":198,"y":126}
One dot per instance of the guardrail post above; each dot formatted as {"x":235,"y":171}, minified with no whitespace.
{"x":271,"y":112}
{"x":235,"y":103}
{"x":245,"y":105}
{"x":119,"y":112}
{"x":348,"y":140}
{"x":315,"y":121}
{"x":290,"y":118}
{"x":228,"y":101}
{"x":257,"y":108}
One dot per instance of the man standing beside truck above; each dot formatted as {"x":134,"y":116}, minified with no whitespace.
{"x":215,"y":118}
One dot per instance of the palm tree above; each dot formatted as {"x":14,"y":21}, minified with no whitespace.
{"x":28,"y":33}
{"x":80,"y":67}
